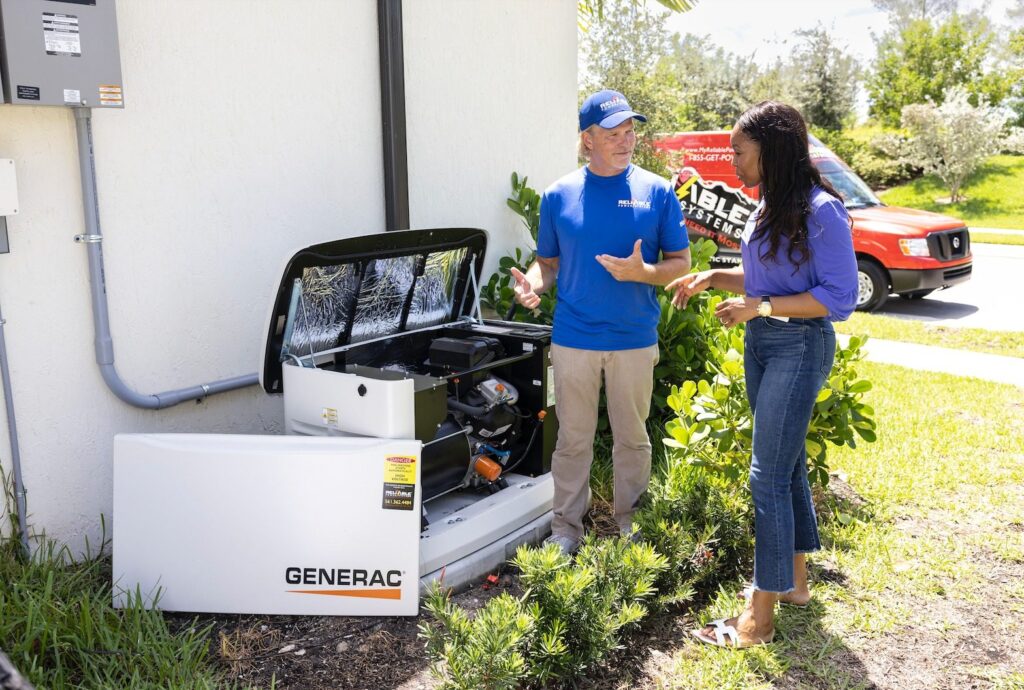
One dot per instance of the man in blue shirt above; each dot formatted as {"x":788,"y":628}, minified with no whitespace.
{"x":609,"y":232}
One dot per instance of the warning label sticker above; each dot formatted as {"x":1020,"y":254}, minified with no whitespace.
{"x":400,"y":469}
{"x":61,"y":34}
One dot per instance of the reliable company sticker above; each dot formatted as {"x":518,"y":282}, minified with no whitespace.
{"x":714,"y":210}
{"x":399,"y":482}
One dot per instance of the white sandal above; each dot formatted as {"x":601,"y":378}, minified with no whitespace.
{"x":727,"y":636}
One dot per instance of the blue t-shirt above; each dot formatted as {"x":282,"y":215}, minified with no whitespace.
{"x":583,"y":215}
{"x":829,"y":274}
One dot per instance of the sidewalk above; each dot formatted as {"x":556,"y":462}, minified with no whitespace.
{"x":998,"y":368}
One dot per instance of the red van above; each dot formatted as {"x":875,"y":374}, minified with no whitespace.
{"x":899,"y":250}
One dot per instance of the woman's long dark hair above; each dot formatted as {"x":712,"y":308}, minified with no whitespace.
{"x":787,"y":177}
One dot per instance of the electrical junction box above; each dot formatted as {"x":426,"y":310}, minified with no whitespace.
{"x":60,"y":52}
{"x":8,"y":188}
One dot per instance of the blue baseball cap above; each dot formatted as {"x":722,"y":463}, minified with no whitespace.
{"x":608,"y":109}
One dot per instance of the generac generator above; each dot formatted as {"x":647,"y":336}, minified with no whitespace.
{"x":419,"y":441}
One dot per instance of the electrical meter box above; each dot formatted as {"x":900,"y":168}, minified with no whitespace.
{"x":60,"y":52}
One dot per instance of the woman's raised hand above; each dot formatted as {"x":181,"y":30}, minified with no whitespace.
{"x":687,"y":286}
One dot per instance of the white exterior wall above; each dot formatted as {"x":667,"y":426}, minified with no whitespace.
{"x":490,"y":89}
{"x":250,"y":129}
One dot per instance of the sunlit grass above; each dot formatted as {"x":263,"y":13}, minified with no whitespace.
{"x":993,"y":195}
{"x":996,"y":238}
{"x":1008,"y":343}
{"x":949,"y":451}
{"x":59,"y":629}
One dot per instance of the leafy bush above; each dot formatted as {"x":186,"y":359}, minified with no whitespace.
{"x":713,"y":425}
{"x":498,"y":294}
{"x":951,"y":140}
{"x":700,"y":525}
{"x":571,"y":615}
{"x":684,"y":335}
{"x":486,"y":651}
{"x":869,"y":159}
{"x":840,"y":415}
{"x":574,"y":612}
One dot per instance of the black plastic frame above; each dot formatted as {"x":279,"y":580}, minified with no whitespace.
{"x":358,"y":250}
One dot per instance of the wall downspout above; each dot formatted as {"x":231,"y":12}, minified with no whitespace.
{"x":93,"y":239}
{"x":20,"y":492}
{"x":392,"y":112}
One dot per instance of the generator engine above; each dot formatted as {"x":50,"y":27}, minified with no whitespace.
{"x":485,"y":407}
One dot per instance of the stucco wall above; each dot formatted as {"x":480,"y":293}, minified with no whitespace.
{"x":250,"y":129}
{"x":490,"y":89}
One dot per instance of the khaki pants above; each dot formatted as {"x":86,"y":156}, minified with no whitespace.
{"x":628,"y":377}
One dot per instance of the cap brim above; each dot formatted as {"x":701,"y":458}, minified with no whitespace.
{"x":616,"y":119}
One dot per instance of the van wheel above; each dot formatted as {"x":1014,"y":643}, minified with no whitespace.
{"x":872,"y":287}
{"x":917,"y":294}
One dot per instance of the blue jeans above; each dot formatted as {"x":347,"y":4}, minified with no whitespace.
{"x":786,"y":362}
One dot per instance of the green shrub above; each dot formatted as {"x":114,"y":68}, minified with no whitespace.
{"x":840,"y":416}
{"x":867,"y":159}
{"x":701,"y":527}
{"x":684,"y":335}
{"x":574,"y":611}
{"x":497,"y":294}
{"x":486,"y":651}
{"x":713,"y":425}
{"x":572,"y":614}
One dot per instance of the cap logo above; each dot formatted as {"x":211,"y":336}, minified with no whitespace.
{"x":616,"y":101}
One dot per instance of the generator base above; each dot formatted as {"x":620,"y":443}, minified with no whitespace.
{"x":469,"y":536}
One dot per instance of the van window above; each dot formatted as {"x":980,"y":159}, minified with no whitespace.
{"x":855,"y":193}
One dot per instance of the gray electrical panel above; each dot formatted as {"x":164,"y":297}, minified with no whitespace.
{"x":60,"y":52}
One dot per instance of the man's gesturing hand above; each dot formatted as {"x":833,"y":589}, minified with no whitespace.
{"x":632,"y":268}
{"x":524,"y":291}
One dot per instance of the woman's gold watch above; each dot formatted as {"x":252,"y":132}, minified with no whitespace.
{"x":764,"y":307}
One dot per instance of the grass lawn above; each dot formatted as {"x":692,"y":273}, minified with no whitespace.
{"x":994,"y":238}
{"x":919,"y":587}
{"x":994,"y":198}
{"x":1010,"y":343}
{"x":59,"y":630}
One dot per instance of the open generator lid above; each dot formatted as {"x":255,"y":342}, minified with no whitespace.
{"x":362,"y":288}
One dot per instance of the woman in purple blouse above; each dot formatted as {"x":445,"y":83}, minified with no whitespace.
{"x":799,"y":274}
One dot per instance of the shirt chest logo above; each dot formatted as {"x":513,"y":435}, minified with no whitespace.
{"x":635,"y":203}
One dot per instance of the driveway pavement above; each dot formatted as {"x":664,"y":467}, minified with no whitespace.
{"x":990,"y":299}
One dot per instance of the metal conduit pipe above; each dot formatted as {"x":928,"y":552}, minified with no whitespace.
{"x":93,"y":240}
{"x":20,"y":492}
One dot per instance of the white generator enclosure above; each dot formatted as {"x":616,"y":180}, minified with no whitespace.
{"x":420,"y":440}
{"x":240,"y":524}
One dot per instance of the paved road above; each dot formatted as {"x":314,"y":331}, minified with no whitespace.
{"x":990,"y":299}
